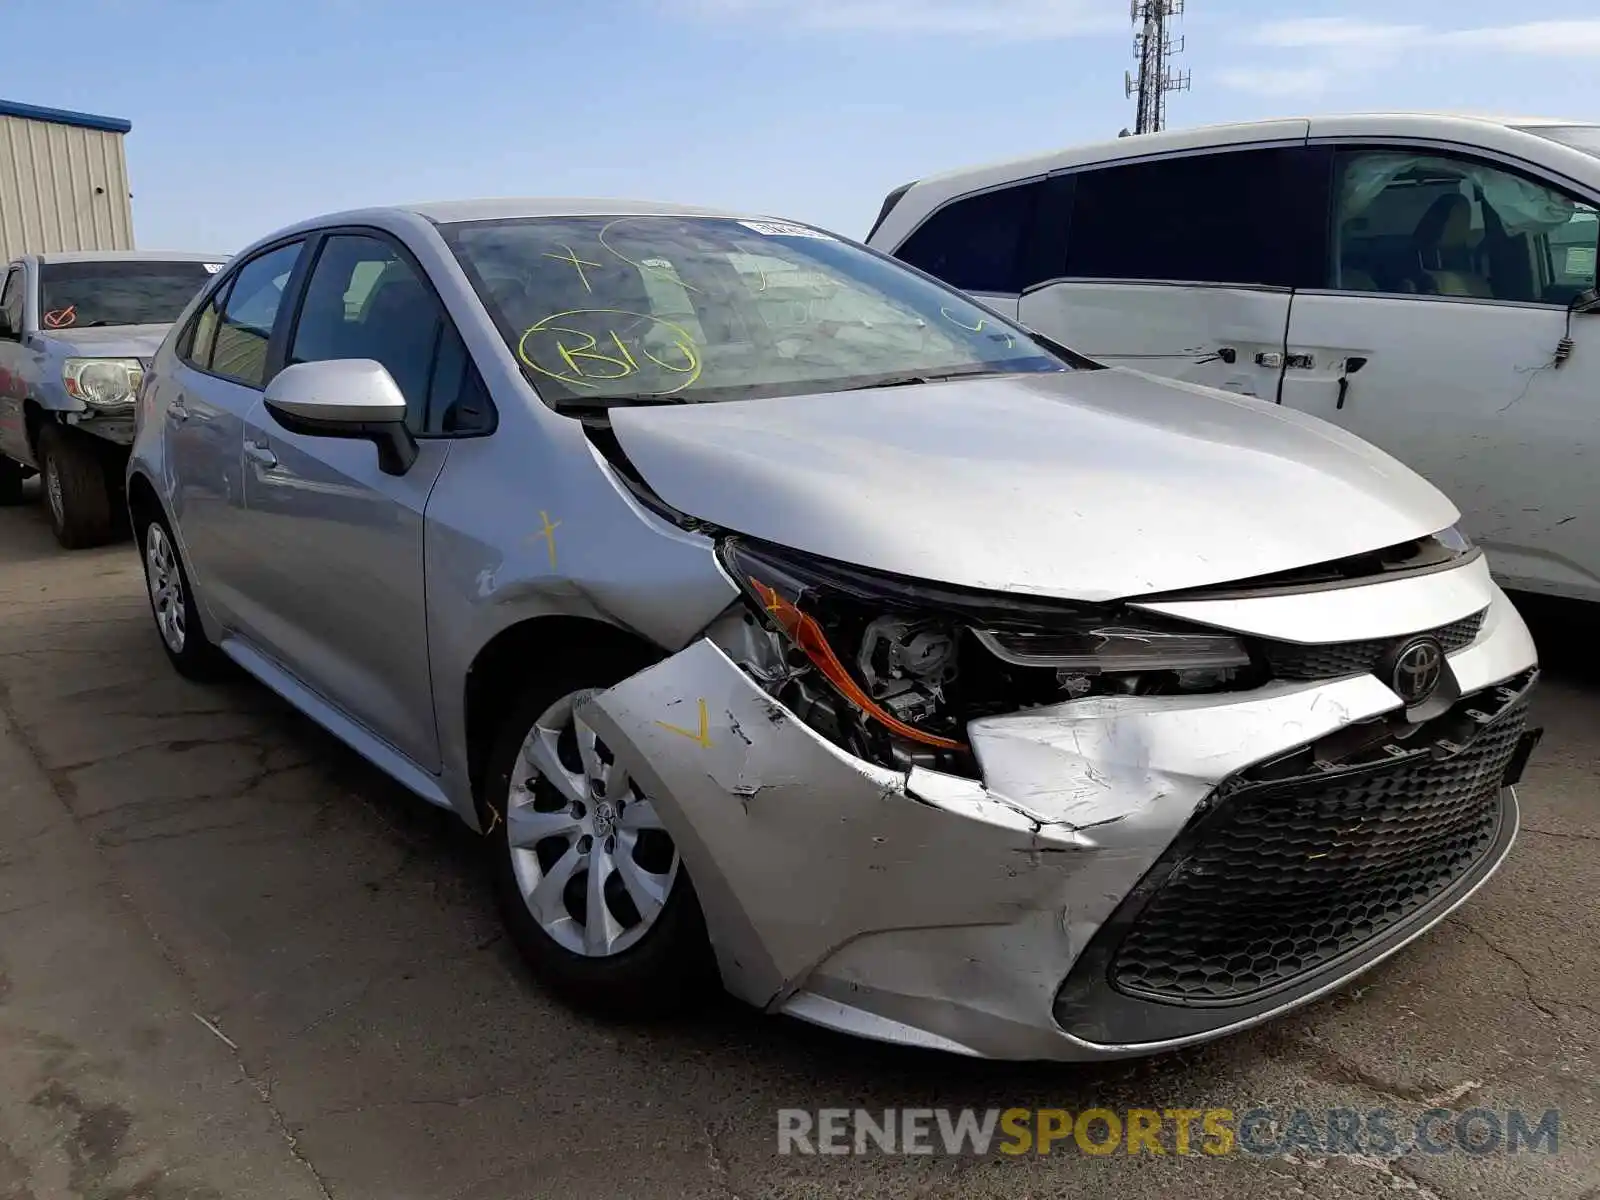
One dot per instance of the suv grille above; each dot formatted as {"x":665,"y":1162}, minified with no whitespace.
{"x":1280,"y":880}
{"x":1287,"y":660}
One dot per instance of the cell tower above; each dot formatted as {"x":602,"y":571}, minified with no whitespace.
{"x":1154,"y":45}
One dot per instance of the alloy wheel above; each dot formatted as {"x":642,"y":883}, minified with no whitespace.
{"x":591,"y":858}
{"x":165,"y":581}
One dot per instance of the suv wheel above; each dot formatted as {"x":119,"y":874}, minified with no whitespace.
{"x":11,"y":476}
{"x":75,"y":488}
{"x":588,"y":881}
{"x":172,"y":603}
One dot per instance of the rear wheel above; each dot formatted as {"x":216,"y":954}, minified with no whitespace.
{"x":172,"y":603}
{"x":11,"y":476}
{"x":588,"y":881}
{"x":75,"y":488}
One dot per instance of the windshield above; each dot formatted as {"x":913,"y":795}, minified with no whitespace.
{"x":603,"y":310}
{"x":74,"y":295}
{"x":1579,"y":137}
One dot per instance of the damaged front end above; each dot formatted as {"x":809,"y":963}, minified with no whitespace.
{"x":933,"y":815}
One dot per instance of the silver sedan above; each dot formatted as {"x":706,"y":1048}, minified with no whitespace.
{"x":784,"y":618}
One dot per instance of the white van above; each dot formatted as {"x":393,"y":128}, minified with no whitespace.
{"x":1426,"y":281}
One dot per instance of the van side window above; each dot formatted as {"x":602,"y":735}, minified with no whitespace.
{"x":11,"y":305}
{"x":1251,"y":217}
{"x":977,"y":244}
{"x":1438,"y":225}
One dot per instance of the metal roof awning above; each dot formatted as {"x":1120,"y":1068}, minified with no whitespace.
{"x":61,"y":116}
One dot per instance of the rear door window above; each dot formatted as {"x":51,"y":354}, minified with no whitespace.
{"x":244,"y":327}
{"x":1244,"y":217}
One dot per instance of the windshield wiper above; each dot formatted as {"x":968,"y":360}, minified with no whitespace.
{"x":596,"y":403}
{"x":929,"y":377}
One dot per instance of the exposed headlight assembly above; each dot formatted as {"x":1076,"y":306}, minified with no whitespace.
{"x":913,"y":662}
{"x":103,"y":383}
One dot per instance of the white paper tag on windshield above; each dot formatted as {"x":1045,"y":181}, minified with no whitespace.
{"x":213,"y":268}
{"x":784,"y":229}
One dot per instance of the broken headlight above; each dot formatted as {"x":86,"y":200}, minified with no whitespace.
{"x":905,"y":664}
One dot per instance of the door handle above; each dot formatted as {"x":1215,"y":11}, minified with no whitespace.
{"x":1351,"y":366}
{"x":178,"y":411}
{"x":256,"y":452}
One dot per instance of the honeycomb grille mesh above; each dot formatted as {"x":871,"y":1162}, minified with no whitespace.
{"x":1337,"y":659}
{"x":1281,"y":881}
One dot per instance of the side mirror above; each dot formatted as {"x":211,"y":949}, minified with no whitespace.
{"x":345,"y":398}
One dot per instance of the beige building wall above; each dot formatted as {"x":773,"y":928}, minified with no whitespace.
{"x":62,"y":187}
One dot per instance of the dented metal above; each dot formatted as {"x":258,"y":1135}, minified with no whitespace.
{"x":928,"y":908}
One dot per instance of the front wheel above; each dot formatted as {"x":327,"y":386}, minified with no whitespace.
{"x":75,"y":488}
{"x":588,"y":881}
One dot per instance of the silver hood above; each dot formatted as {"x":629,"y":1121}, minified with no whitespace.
{"x":108,"y":341}
{"x":1089,"y":485}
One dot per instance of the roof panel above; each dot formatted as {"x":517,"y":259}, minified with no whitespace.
{"x":61,"y":116}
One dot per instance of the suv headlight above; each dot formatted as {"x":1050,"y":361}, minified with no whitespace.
{"x":103,"y":383}
{"x":916,"y":661}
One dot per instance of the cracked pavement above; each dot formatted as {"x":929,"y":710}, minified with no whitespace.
{"x":235,"y":961}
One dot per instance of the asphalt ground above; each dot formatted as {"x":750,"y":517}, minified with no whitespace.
{"x":235,"y":961}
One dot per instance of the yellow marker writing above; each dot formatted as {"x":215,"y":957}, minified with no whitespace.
{"x":548,"y":533}
{"x":578,"y":264}
{"x":703,"y":736}
{"x":583,"y":364}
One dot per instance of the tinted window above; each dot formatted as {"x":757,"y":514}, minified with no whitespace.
{"x":600,"y":310}
{"x":74,"y":295}
{"x":365,"y":301}
{"x":249,"y":312}
{"x":11,"y":304}
{"x":1438,"y":225}
{"x":976,"y":244}
{"x":1240,"y":217}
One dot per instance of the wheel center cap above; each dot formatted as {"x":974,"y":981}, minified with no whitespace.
{"x":605,"y":817}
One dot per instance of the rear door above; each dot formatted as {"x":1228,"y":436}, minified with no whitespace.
{"x":1183,"y":265}
{"x":339,"y":543}
{"x":1437,"y":334}
{"x":222,"y":367}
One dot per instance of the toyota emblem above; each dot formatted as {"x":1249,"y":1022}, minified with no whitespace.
{"x":1418,"y":668}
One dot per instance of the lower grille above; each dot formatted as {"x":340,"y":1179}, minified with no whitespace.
{"x":1288,"y":660}
{"x":1282,"y":879}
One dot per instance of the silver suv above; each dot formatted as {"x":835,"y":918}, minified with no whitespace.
{"x":784,"y":617}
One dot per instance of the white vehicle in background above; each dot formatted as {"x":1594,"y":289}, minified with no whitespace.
{"x":1428,"y":282}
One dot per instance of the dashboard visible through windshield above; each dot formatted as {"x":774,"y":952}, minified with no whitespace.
{"x":662,"y":309}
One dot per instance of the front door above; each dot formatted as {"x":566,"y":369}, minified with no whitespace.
{"x":15,"y":368}
{"x":1440,"y":336}
{"x":338,"y":582}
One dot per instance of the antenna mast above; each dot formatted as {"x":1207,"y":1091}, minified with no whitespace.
{"x":1154,"y":47}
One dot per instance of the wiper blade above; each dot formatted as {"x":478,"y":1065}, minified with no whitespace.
{"x":930,"y":377}
{"x":597,"y":403}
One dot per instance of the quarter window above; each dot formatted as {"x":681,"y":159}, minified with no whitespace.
{"x":244,"y":327}
{"x":366,"y":300}
{"x":1248,"y":217}
{"x":978,"y":244}
{"x":1440,"y":225}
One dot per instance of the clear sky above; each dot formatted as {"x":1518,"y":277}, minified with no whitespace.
{"x":248,"y":115}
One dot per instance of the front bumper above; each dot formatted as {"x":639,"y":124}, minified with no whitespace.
{"x":978,"y":918}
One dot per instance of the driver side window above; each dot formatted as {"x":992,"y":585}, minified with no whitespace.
{"x":1416,"y":223}
{"x":11,"y":306}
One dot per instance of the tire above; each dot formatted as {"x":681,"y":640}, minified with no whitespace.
{"x":654,"y":972}
{"x":76,"y":493}
{"x":11,"y":476}
{"x":172,"y":605}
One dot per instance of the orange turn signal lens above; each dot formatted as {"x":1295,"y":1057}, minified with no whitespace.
{"x":804,"y":632}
